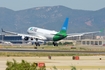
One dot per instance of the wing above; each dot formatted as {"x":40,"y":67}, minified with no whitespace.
{"x":8,"y":32}
{"x":26,"y":36}
{"x":81,"y":34}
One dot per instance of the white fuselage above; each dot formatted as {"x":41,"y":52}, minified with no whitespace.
{"x":42,"y":33}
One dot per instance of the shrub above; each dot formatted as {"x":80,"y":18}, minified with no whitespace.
{"x":73,"y":68}
{"x":54,"y":67}
{"x":22,"y":66}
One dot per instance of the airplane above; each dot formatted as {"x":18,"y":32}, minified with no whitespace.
{"x":39,"y":34}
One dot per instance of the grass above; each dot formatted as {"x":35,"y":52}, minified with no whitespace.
{"x":33,"y":54}
{"x":78,"y":67}
{"x":29,"y":54}
{"x":60,"y":47}
{"x":47,"y":47}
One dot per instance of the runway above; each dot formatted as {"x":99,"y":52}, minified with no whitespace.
{"x":42,"y":50}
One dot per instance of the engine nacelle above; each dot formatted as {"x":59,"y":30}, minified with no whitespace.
{"x":25,"y":38}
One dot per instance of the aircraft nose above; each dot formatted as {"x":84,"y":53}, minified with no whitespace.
{"x":29,"y":30}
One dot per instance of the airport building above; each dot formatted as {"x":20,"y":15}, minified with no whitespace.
{"x":11,"y":38}
{"x":79,"y":40}
{"x":88,"y":40}
{"x":92,"y":42}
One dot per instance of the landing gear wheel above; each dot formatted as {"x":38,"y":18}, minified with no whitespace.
{"x":55,"y":44}
{"x":37,"y":44}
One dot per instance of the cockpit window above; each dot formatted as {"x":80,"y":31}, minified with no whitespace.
{"x":33,"y":29}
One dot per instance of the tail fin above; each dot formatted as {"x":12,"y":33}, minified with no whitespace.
{"x":64,"y":27}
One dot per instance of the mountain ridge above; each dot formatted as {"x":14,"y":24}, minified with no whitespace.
{"x":52,"y":17}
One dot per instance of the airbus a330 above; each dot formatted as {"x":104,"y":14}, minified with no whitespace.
{"x":39,"y":34}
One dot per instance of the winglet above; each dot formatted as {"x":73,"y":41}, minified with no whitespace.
{"x":102,"y":30}
{"x":8,"y":32}
{"x":2,"y":30}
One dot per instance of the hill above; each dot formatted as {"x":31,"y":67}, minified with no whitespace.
{"x":52,"y":17}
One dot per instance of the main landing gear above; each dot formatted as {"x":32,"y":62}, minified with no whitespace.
{"x":55,"y":43}
{"x":37,"y":43}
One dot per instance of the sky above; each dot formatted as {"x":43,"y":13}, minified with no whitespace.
{"x":74,"y":4}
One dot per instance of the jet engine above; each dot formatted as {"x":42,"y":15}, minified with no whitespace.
{"x":25,"y":38}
